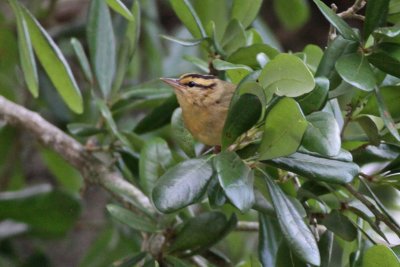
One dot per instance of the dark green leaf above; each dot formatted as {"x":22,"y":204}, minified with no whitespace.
{"x":323,"y":134}
{"x":236,"y":178}
{"x":131,"y":261}
{"x":325,"y":246}
{"x":181,"y":135}
{"x":284,"y":128}
{"x":385,"y":115}
{"x":317,"y":98}
{"x":184,"y":42}
{"x":159,"y":116}
{"x":155,"y":159}
{"x":385,"y":62}
{"x":234,"y":37}
{"x":391,"y":98}
{"x":380,"y":255}
{"x":286,"y":257}
{"x":292,"y":13}
{"x":295,"y":232}
{"x":248,"y":55}
{"x":268,"y":240}
{"x":120,"y":8}
{"x":216,"y":196}
{"x":102,"y":46}
{"x":182,"y":185}
{"x":245,"y":11}
{"x":186,"y":13}
{"x":131,"y":219}
{"x":176,"y":262}
{"x":343,"y":28}
{"x":321,"y":169}
{"x":340,"y":225}
{"x":375,"y":15}
{"x":83,"y":129}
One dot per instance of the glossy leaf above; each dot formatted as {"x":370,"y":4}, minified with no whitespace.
{"x":355,"y":69}
{"x":317,"y":98}
{"x":385,"y":115}
{"x":131,"y":219}
{"x":82,"y":59}
{"x":27,"y":58}
{"x":286,"y":75}
{"x":385,"y":62}
{"x":245,"y":11}
{"x":284,"y":128}
{"x":54,"y":63}
{"x":236,"y":179}
{"x":234,"y":37}
{"x":196,"y":234}
{"x":286,"y":257}
{"x":268,"y":240}
{"x":248,"y":55}
{"x":237,"y":121}
{"x":292,"y":13}
{"x":182,"y":185}
{"x":320,"y":169}
{"x":323,"y":134}
{"x":343,"y":28}
{"x":215,"y":192}
{"x":102,"y":46}
{"x":155,"y":159}
{"x":120,"y":8}
{"x":325,"y":245}
{"x":375,"y":15}
{"x":340,"y":225}
{"x":181,"y":135}
{"x":186,"y":13}
{"x":296,"y":233}
{"x":380,"y":255}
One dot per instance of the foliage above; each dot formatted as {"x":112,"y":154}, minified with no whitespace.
{"x":302,"y":133}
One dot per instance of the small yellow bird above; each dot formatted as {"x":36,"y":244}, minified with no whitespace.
{"x":204,"y":100}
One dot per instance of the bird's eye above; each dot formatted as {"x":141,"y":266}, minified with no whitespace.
{"x":191,"y":84}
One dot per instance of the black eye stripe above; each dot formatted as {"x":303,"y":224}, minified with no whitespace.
{"x":193,"y":84}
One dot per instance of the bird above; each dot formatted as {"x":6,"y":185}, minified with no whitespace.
{"x":205,"y":101}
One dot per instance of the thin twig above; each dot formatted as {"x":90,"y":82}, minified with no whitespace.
{"x":351,"y":12}
{"x":247,"y":226}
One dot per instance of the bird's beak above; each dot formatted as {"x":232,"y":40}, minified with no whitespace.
{"x":173,"y":82}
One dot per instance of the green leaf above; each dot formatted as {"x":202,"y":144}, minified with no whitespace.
{"x":83,"y":129}
{"x":201,"y":64}
{"x":285,"y":257}
{"x":355,"y":69}
{"x":102,"y":46}
{"x":343,"y":28}
{"x":385,"y":62}
{"x":234,"y":37}
{"x":248,"y":55}
{"x":372,"y":126}
{"x":284,"y":128}
{"x":54,"y":63}
{"x":186,"y":13}
{"x":25,"y":49}
{"x":268,"y":240}
{"x":82,"y":59}
{"x":184,"y":42}
{"x":317,"y":98}
{"x":216,"y":195}
{"x":236,"y":178}
{"x":196,"y":234}
{"x":340,"y":225}
{"x":313,"y":55}
{"x":385,"y":115}
{"x":131,"y":219}
{"x":391,"y":98}
{"x":158,"y":117}
{"x":235,"y":72}
{"x":245,"y":11}
{"x":181,"y":135}
{"x":237,"y":121}
{"x":286,"y":75}
{"x":375,"y":15}
{"x":120,"y":8}
{"x":292,"y":13}
{"x":155,"y":159}
{"x":295,"y":232}
{"x":325,"y":246}
{"x":380,"y":255}
{"x":131,"y":261}
{"x":323,"y":134}
{"x":176,"y":262}
{"x":182,"y":185}
{"x":316,"y":168}
{"x":62,"y":210}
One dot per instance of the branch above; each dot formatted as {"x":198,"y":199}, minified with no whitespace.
{"x":91,"y":168}
{"x":247,"y":226}
{"x":351,"y":12}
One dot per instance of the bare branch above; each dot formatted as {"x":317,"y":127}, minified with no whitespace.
{"x":91,"y":168}
{"x":247,"y":226}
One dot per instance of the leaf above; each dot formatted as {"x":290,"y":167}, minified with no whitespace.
{"x":181,"y":135}
{"x":201,"y":64}
{"x":286,"y":75}
{"x":236,"y":178}
{"x":237,"y":121}
{"x":131,"y":219}
{"x":182,"y":185}
{"x":343,"y":28}
{"x":386,"y":116}
{"x":62,"y":210}
{"x":248,"y":55}
{"x":323,"y":134}
{"x":385,"y":62}
{"x":340,"y":225}
{"x":131,"y":261}
{"x":380,"y":255}
{"x":316,"y":168}
{"x":82,"y":59}
{"x":292,"y":13}
{"x":295,"y":232}
{"x":375,"y":15}
{"x":83,"y":129}
{"x":196,"y":234}
{"x":313,"y":55}
{"x":158,"y":117}
{"x":325,"y":246}
{"x":235,"y":72}
{"x":25,"y":49}
{"x":283,"y":131}
{"x":102,"y":46}
{"x":54,"y":63}
{"x":184,"y":42}
{"x":216,"y":196}
{"x":186,"y":13}
{"x":234,"y":37}
{"x":245,"y":11}
{"x":285,"y":257}
{"x":268,"y":240}
{"x":355,"y":69}
{"x":317,"y":98}
{"x":176,"y":262}
{"x":120,"y":8}
{"x":155,"y":159}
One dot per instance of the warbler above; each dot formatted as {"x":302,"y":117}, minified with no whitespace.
{"x":204,"y":100}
